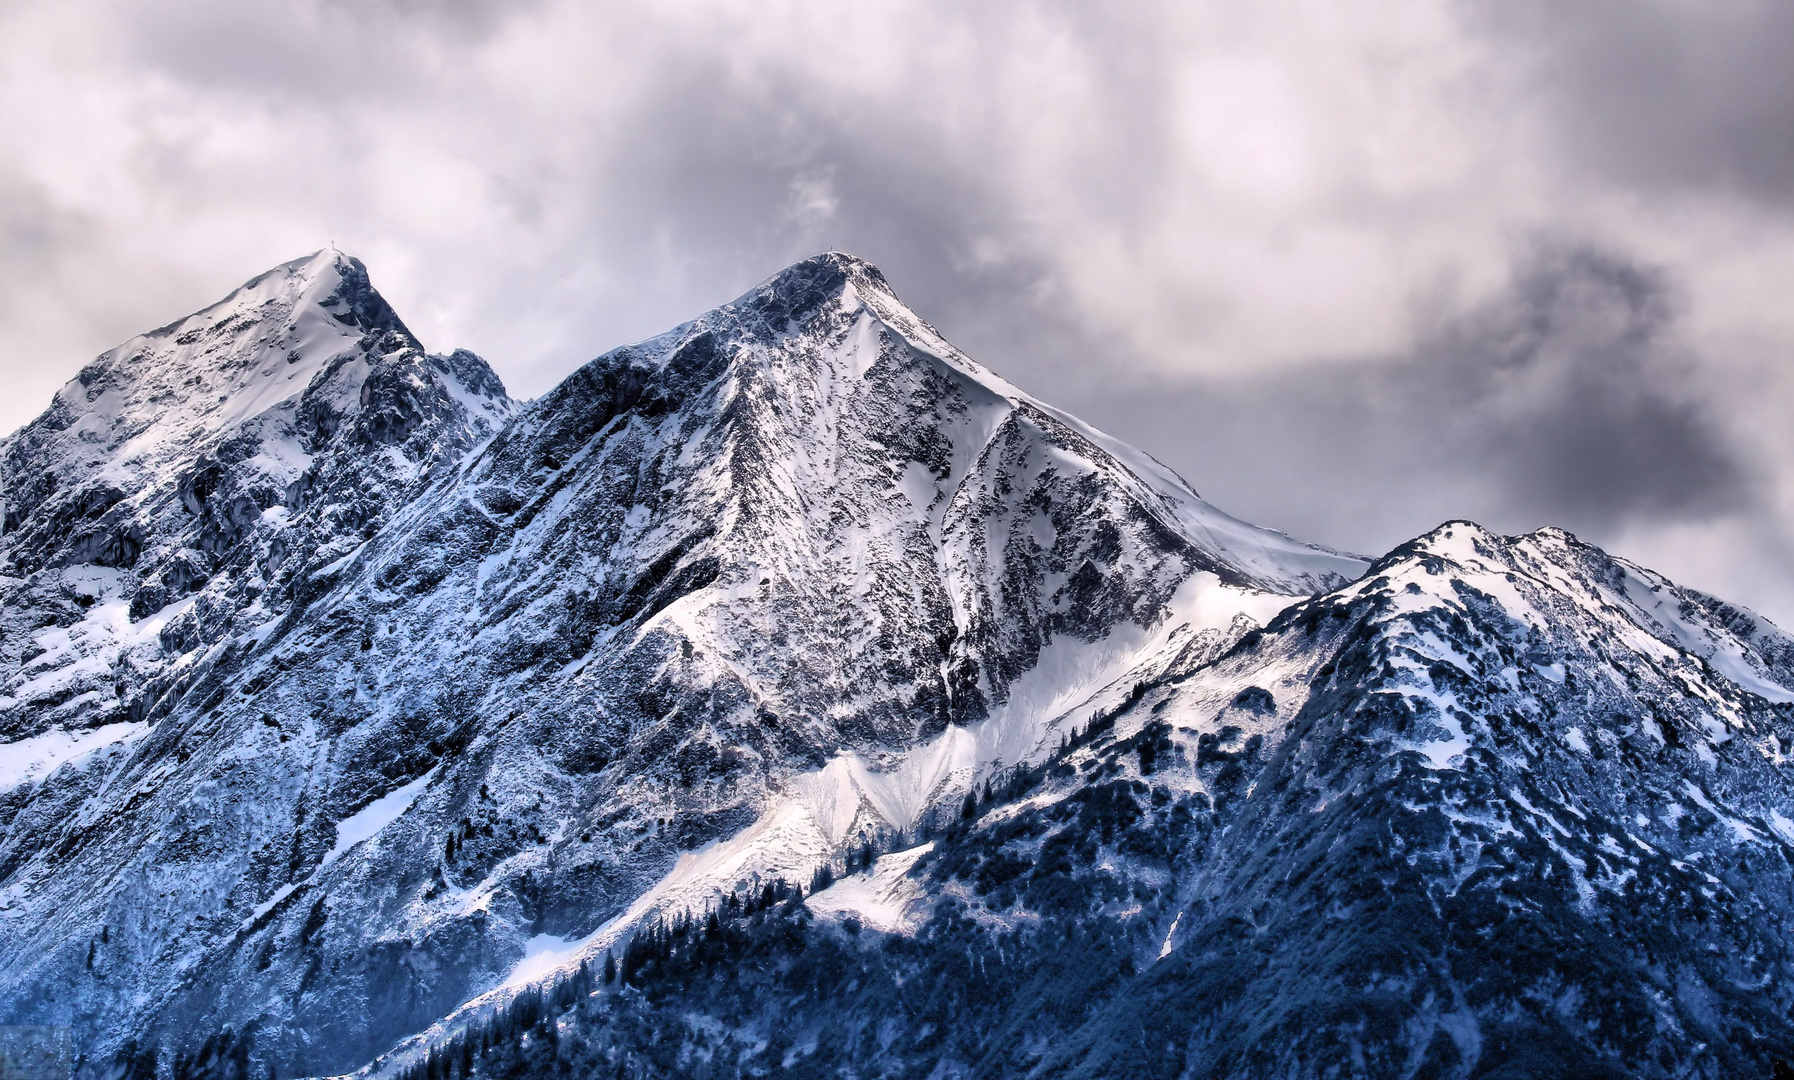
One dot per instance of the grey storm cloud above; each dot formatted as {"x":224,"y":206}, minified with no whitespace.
{"x":1569,"y":399}
{"x":1575,"y":391}
{"x":1353,"y":269}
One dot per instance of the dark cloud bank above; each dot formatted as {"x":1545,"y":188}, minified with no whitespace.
{"x":1569,"y":400}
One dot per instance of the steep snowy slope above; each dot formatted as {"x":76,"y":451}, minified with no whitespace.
{"x":1506,"y":807}
{"x":789,"y":577}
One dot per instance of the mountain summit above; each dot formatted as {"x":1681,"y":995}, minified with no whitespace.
{"x":186,"y":477}
{"x":348,"y":704}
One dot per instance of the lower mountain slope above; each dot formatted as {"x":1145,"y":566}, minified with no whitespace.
{"x":1506,"y":807}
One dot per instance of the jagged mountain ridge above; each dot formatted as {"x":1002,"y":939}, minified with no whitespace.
{"x":624,"y":625}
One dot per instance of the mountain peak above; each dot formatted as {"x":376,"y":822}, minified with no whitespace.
{"x":332,"y":280}
{"x":830,"y":267}
{"x":262,"y":343}
{"x":802,"y":289}
{"x":254,"y":385}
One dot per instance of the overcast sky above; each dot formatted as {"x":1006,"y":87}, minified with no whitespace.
{"x":1352,"y":269}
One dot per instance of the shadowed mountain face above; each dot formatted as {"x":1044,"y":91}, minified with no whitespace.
{"x":345,"y":697}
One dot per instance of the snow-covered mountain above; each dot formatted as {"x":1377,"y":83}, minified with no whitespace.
{"x":345,"y":699}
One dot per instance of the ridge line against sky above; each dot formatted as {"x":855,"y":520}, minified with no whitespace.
{"x":1352,"y":272}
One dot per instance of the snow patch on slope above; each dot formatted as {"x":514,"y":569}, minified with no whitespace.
{"x":1659,"y":602}
{"x":1071,"y":673}
{"x":887,"y":899}
{"x":89,"y":650}
{"x":30,"y":760}
{"x":377,"y":815}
